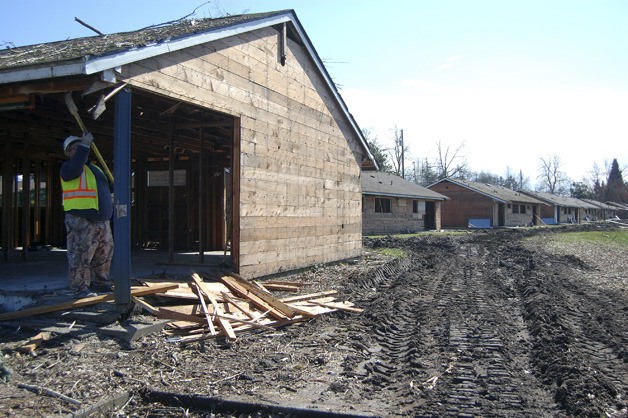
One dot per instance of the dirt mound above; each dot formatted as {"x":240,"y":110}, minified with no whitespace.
{"x":484,"y":323}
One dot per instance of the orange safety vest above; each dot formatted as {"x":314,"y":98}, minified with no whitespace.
{"x":81,"y":192}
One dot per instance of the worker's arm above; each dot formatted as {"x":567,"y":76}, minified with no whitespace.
{"x":73,"y":167}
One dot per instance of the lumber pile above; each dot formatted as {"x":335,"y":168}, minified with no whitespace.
{"x":203,"y":309}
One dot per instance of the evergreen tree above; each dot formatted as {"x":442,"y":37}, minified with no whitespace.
{"x":378,"y":153}
{"x":616,"y":189}
{"x":581,"y":190}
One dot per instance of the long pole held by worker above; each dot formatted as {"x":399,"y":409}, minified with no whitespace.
{"x":69,"y":102}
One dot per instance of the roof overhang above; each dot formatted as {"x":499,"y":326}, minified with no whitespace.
{"x":106,"y":64}
{"x":404,"y":196}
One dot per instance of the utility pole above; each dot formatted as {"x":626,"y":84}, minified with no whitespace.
{"x":403,"y":164}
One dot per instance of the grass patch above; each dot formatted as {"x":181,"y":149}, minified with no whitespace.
{"x":392,"y":252}
{"x":618,"y":238}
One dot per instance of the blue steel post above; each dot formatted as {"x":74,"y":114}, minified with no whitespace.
{"x":122,"y":198}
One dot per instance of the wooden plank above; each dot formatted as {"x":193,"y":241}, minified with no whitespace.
{"x":147,"y":307}
{"x":229,"y":299}
{"x":224,"y":324}
{"x":35,"y":342}
{"x":309,"y":296}
{"x":258,"y":297}
{"x":287,"y":283}
{"x":165,"y":313}
{"x":284,"y":287}
{"x":340,"y":306}
{"x":208,"y":317}
{"x":135,"y":291}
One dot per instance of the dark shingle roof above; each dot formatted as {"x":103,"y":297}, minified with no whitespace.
{"x":499,"y":193}
{"x":557,"y":200}
{"x":98,"y":46}
{"x":384,"y":184}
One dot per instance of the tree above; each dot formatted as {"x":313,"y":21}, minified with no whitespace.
{"x":551,"y":177}
{"x":425,"y":172}
{"x":378,"y":152}
{"x":398,"y":152}
{"x":581,"y":190}
{"x":616,"y":189}
{"x":450,"y":163}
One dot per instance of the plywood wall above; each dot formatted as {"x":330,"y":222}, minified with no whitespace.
{"x":299,"y":195}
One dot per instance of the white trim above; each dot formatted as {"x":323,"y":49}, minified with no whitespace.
{"x":51,"y":71}
{"x":110,"y":61}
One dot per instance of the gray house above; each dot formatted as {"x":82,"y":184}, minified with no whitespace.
{"x":562,"y":209}
{"x":391,"y":204}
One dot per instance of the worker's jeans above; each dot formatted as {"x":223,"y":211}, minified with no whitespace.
{"x":90,"y":250}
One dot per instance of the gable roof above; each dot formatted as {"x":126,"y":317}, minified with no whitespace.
{"x":600,"y":205}
{"x":384,"y":184}
{"x":557,"y":200}
{"x":498,"y":193}
{"x":103,"y":54}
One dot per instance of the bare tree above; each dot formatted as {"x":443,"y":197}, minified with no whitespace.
{"x":398,"y":153}
{"x":450,"y":163}
{"x":551,"y":177}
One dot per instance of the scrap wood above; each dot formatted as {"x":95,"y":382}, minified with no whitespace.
{"x":343,"y":306}
{"x":259,"y":286}
{"x":244,"y":321}
{"x":135,"y":291}
{"x":182,"y":325}
{"x":204,"y":290}
{"x":208,"y":317}
{"x":148,"y":307}
{"x":284,"y":287}
{"x":309,"y":296}
{"x":230,"y":300}
{"x":245,"y":327}
{"x":259,"y":298}
{"x":49,"y":392}
{"x":35,"y":342}
{"x":286,"y":283}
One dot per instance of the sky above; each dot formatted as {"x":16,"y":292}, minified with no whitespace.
{"x":512,"y":81}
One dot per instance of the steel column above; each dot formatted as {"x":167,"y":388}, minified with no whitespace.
{"x":122,"y":198}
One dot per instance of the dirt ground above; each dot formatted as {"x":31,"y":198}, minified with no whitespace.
{"x":485,"y":323}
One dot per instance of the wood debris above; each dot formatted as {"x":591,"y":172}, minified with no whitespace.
{"x":211,"y":309}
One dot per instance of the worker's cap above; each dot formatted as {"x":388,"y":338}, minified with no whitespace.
{"x":69,"y":141}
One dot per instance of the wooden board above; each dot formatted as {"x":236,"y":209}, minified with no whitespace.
{"x":135,"y":291}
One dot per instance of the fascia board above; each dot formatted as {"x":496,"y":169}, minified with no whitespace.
{"x":52,"y":71}
{"x":403,"y":195}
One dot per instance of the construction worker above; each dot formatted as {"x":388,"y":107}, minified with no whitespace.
{"x":88,"y":208}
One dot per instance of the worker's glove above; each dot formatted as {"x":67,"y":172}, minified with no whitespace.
{"x":87,"y":139}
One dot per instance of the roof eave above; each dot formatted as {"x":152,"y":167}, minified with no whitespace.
{"x":407,"y":196}
{"x":137,"y":54}
{"x":107,"y":62}
{"x":43,"y":72}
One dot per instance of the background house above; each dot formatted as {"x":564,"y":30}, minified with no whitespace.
{"x":602,"y":211}
{"x":562,"y":209}
{"x":479,"y":205}
{"x":391,"y":204}
{"x":222,"y":134}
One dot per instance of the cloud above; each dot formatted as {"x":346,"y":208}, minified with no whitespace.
{"x":450,"y":61}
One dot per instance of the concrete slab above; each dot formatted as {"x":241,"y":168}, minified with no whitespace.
{"x":46,"y":269}
{"x":133,"y":330}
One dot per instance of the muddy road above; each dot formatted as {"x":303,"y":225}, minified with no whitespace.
{"x":486,"y":323}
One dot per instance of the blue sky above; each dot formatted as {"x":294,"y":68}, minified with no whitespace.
{"x":515,"y":81}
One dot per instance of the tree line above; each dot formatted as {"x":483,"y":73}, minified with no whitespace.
{"x":604,"y":184}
